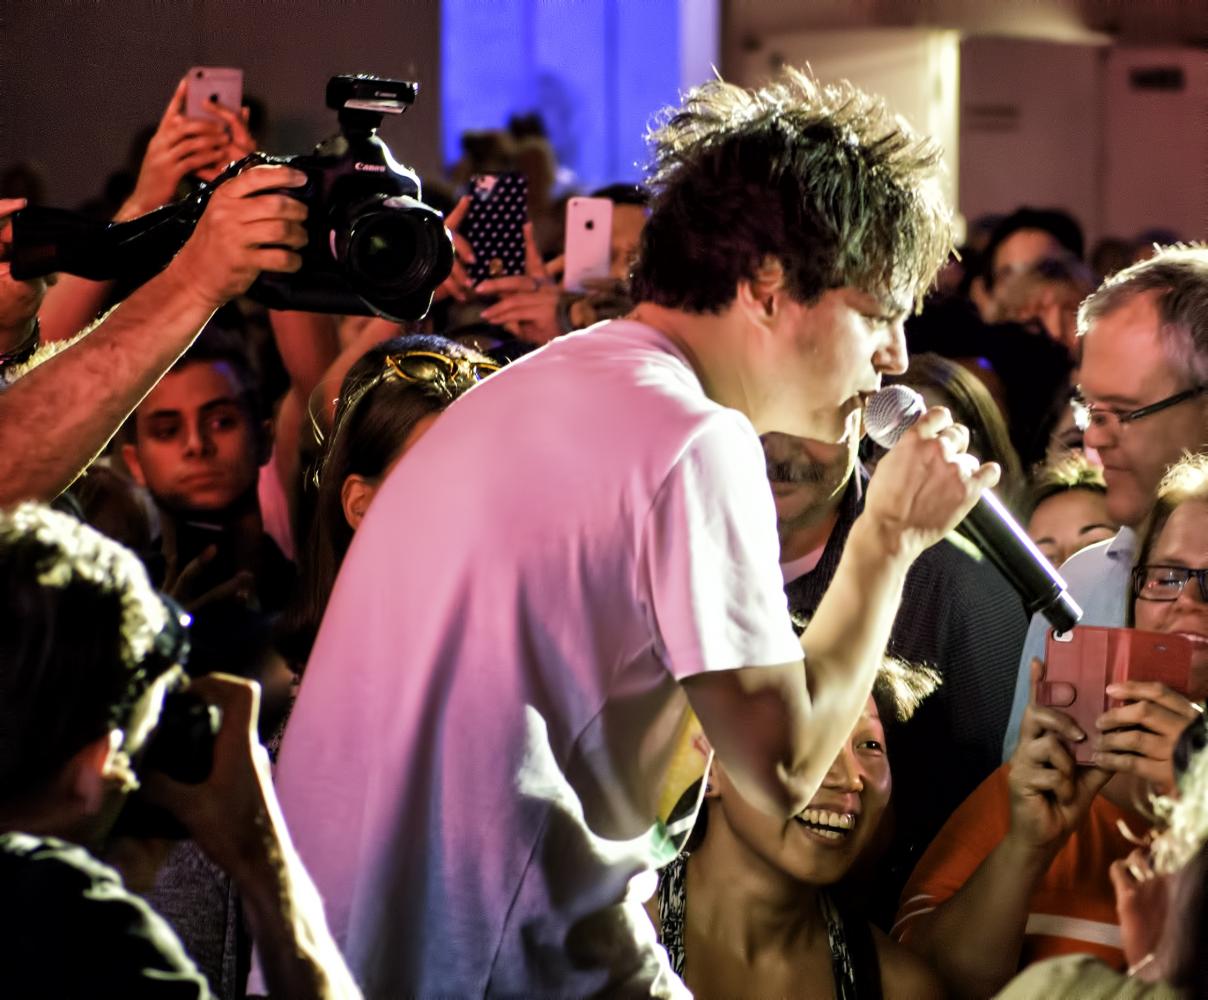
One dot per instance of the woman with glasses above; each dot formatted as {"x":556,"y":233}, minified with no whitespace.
{"x":388,"y":400}
{"x":1021,"y":871}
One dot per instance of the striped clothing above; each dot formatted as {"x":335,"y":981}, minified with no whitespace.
{"x":1072,"y":909}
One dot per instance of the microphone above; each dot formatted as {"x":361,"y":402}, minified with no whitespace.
{"x":989,"y":525}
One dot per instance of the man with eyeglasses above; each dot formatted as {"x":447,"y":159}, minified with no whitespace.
{"x":1141,"y":406}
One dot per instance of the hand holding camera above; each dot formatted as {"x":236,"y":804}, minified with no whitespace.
{"x":244,"y":230}
{"x":372,"y":245}
{"x":232,"y":814}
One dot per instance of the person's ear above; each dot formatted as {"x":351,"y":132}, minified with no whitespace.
{"x":130,"y":457}
{"x":713,"y":779}
{"x":91,"y":770}
{"x":355,"y":497}
{"x":759,"y":295}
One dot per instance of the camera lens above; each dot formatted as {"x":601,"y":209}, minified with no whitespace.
{"x":395,"y":248}
{"x":382,"y":248}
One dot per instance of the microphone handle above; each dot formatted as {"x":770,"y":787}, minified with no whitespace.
{"x":990,"y":526}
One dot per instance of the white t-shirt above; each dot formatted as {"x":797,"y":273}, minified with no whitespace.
{"x":474,"y":767}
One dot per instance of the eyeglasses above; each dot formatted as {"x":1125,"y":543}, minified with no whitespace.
{"x":1165,"y":583}
{"x":1106,"y":418}
{"x":428,"y":366}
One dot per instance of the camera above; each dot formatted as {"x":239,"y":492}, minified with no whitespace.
{"x":374,"y":247}
{"x":181,"y":745}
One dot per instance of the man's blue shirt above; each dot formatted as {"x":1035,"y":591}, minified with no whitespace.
{"x":1098,"y":578}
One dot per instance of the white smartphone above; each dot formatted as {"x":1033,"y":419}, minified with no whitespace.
{"x":588,"y":242}
{"x":221,"y":83}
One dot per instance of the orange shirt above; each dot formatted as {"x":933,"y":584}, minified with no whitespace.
{"x":1072,"y":909}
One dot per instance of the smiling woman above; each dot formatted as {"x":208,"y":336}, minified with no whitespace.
{"x":762,"y":918}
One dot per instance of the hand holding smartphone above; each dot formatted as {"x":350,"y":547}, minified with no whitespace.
{"x":588,"y":242}
{"x":1081,"y":663}
{"x":494,"y":225}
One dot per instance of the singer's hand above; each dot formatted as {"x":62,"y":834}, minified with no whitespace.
{"x":926,"y":484}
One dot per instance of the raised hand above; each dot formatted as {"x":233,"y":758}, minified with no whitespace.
{"x":179,"y":147}
{"x":1141,"y":897}
{"x":1139,"y":737}
{"x":239,"y":141}
{"x":926,"y":484}
{"x":457,"y":285}
{"x":1050,"y":793}
{"x":242,"y":232}
{"x":528,"y":303}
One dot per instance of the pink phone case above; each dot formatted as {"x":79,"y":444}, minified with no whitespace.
{"x":1081,"y":663}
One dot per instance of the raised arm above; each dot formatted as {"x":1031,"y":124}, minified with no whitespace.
{"x":975,"y":937}
{"x":58,"y":417}
{"x":777,"y":728}
{"x":235,"y":818}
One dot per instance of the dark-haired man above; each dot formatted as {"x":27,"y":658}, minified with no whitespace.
{"x":84,"y":665}
{"x":197,"y":443}
{"x":481,"y":766}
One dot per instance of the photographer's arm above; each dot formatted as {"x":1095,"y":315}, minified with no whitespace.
{"x":58,"y":417}
{"x":235,"y":819}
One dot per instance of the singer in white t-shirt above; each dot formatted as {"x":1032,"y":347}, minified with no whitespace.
{"x":481,"y":770}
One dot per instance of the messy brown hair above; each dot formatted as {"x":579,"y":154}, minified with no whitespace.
{"x":821,"y":178}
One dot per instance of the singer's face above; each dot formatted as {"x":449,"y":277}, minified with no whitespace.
{"x":832,"y":354}
{"x":1125,"y":366}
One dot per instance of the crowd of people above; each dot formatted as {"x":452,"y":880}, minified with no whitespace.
{"x":570,"y":643}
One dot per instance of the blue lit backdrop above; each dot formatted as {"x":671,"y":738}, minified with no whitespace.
{"x":596,"y":70}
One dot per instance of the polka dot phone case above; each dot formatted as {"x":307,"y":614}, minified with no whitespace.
{"x":494,"y":225}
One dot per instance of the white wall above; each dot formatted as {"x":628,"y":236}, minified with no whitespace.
{"x":1156,"y":149}
{"x":915,"y":70}
{"x":1030,"y":128}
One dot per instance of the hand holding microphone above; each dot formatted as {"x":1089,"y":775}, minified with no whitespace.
{"x":928,"y":483}
{"x":934,"y":486}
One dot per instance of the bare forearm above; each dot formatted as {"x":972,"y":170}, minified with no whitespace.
{"x":298,"y":956}
{"x":974,"y":939}
{"x":70,"y":305}
{"x":845,"y":641}
{"x":308,"y":343}
{"x":59,"y":416}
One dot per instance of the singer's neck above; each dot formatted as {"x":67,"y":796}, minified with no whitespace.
{"x":710,"y":342}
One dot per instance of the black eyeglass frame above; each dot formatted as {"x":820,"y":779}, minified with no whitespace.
{"x":1084,"y":412}
{"x":1140,"y":572}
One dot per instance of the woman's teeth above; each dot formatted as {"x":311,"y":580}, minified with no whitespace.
{"x":831,"y":825}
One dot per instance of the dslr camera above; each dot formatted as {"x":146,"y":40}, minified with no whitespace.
{"x":374,"y":246}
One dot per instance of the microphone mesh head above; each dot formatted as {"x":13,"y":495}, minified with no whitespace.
{"x":891,"y":412}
